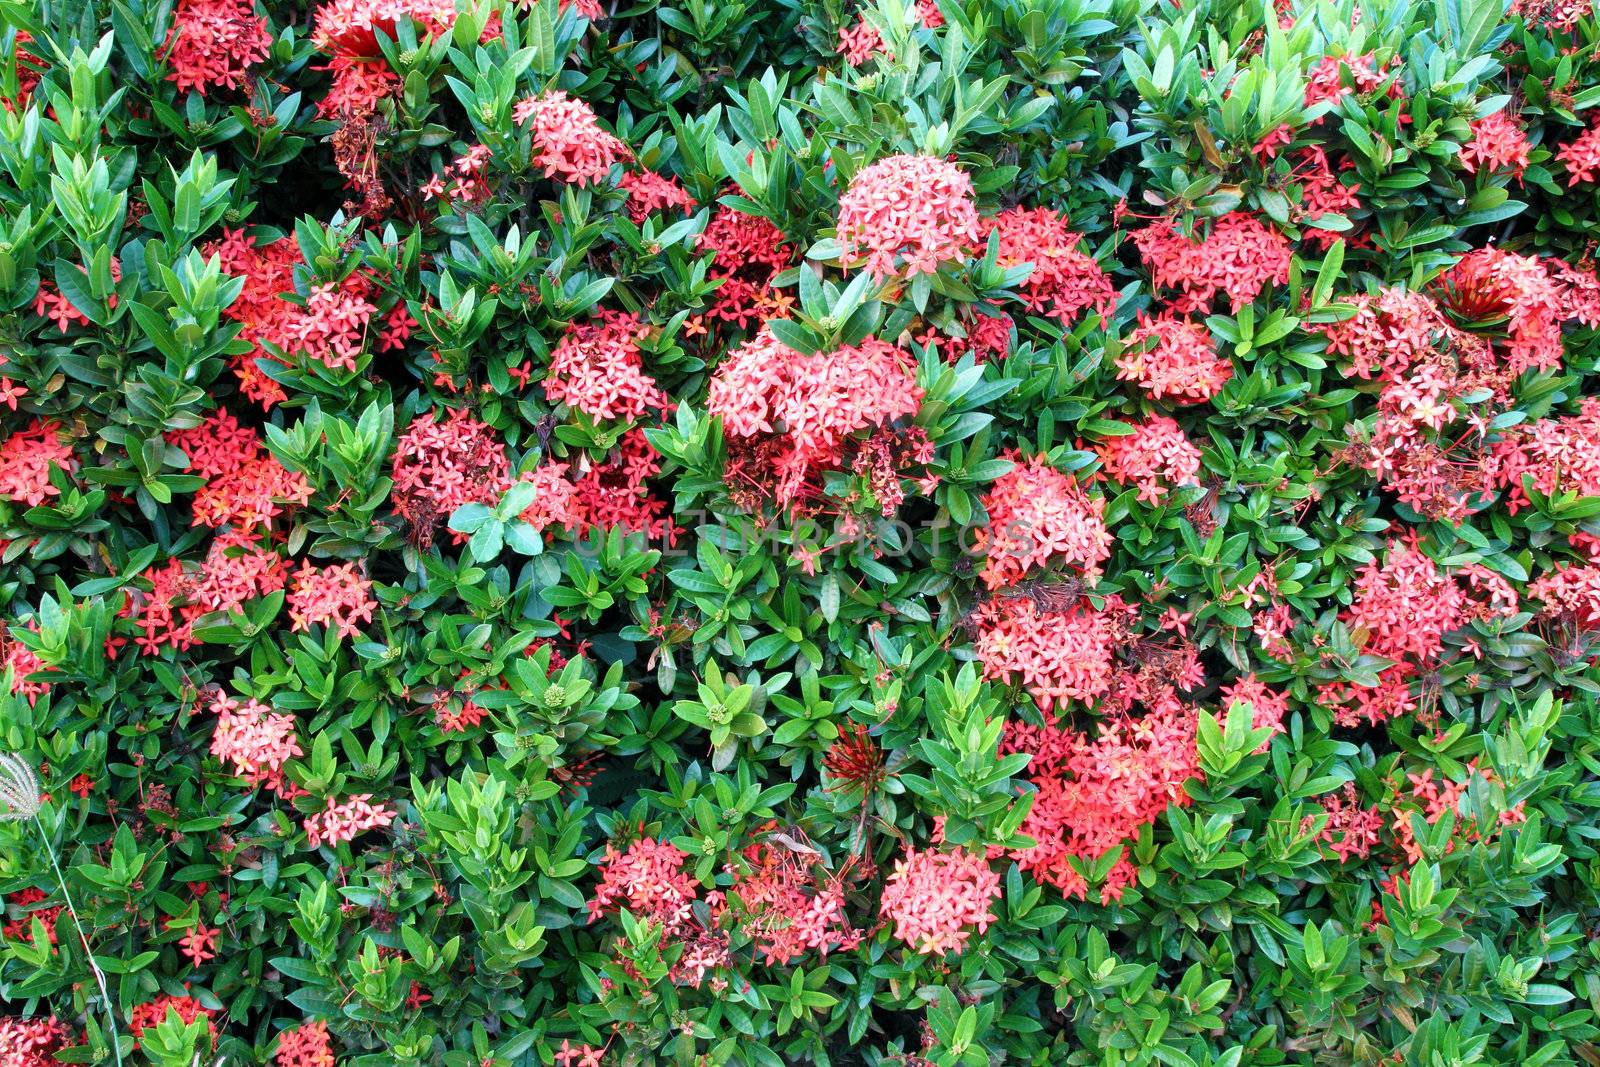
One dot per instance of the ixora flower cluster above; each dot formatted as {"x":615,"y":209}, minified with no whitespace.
{"x":549,"y":532}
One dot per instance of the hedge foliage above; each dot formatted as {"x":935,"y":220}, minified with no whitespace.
{"x":782,"y":531}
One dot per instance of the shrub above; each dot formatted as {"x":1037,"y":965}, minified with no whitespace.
{"x":799,"y":531}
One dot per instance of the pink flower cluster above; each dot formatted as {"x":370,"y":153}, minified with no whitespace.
{"x":597,"y":368}
{"x":569,"y":144}
{"x":1388,"y":333}
{"x":351,"y":27}
{"x":214,"y":43}
{"x":1066,"y":282}
{"x":1239,"y":256}
{"x":22,"y":661}
{"x":1571,"y":590}
{"x":27,"y":458}
{"x":33,"y":1042}
{"x":441,"y":465}
{"x":1039,"y":516}
{"x":1156,"y":457}
{"x":1535,"y":296}
{"x":648,"y":879}
{"x":1326,"y":82}
{"x":255,"y":739}
{"x":783,"y":908}
{"x":1268,"y":706}
{"x":347,"y":31}
{"x":1558,"y":15}
{"x":906,"y":214}
{"x":1173,"y":359}
{"x":1405,"y":605}
{"x":861,"y":42}
{"x":332,"y":327}
{"x":466,"y":174}
{"x":936,"y":899}
{"x":1559,"y":455}
{"x":554,"y":503}
{"x":337,"y":596}
{"x":344,"y":820}
{"x":1055,"y":654}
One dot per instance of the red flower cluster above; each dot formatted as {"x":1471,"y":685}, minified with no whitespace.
{"x":1066,"y":282}
{"x":307,"y":1045}
{"x":331,"y":326}
{"x":648,"y":192}
{"x":615,"y":493}
{"x":1239,"y":256}
{"x":1581,"y":156}
{"x":907,"y":214}
{"x":153,"y":1013}
{"x":1352,"y":828}
{"x":246,"y":486}
{"x":936,"y":899}
{"x":237,"y":568}
{"x":1498,"y":143}
{"x":747,"y":250}
{"x":568,"y":143}
{"x":1094,"y":793}
{"x":214,"y":43}
{"x":808,"y":406}
{"x":1321,"y":192}
{"x":1534,"y":296}
{"x":21,"y":927}
{"x":28,"y":457}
